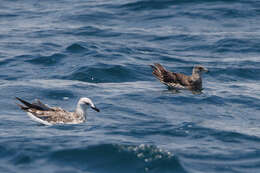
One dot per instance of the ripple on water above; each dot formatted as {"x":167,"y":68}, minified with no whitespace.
{"x":149,"y":5}
{"x":233,"y":73}
{"x":47,"y":60}
{"x":103,"y":73}
{"x":76,"y":48}
{"x":90,"y":31}
{"x":237,"y":45}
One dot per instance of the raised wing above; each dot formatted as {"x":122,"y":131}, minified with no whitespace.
{"x":171,"y":79}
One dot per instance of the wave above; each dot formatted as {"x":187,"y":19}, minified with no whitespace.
{"x":147,"y":4}
{"x":95,"y":31}
{"x":94,"y":158}
{"x":114,"y":158}
{"x":162,"y":4}
{"x":40,"y":154}
{"x":76,"y":48}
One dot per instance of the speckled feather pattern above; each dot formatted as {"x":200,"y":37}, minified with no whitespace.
{"x":58,"y":115}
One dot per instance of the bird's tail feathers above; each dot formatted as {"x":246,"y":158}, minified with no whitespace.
{"x":22,"y":107}
{"x":28,"y":105}
{"x":24,"y":102}
{"x":158,"y":71}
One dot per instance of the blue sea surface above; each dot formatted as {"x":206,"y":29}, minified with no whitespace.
{"x":58,"y":51}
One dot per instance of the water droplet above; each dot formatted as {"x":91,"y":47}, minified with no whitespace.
{"x":65,"y":98}
{"x":140,"y":155}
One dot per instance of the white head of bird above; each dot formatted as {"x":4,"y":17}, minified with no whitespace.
{"x":83,"y":104}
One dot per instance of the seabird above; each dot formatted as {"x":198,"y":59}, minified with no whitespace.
{"x":178,"y":80}
{"x":44,"y":114}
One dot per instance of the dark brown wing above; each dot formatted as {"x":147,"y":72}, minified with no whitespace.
{"x":170,"y":79}
{"x":162,"y":74}
{"x":37,"y":105}
{"x":42,"y":105}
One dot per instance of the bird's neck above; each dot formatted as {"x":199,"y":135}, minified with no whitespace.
{"x":195,"y":76}
{"x":197,"y":81}
{"x":81,"y":112}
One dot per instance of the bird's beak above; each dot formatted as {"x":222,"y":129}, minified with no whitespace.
{"x":95,"y":108}
{"x":206,"y":70}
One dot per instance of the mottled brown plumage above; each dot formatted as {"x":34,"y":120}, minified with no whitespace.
{"x":55,"y":115}
{"x":177,"y":80}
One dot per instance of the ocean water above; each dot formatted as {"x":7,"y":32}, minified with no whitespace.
{"x":59,"y":51}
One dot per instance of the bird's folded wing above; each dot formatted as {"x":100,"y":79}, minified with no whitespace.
{"x":39,"y":113}
{"x":42,"y":105}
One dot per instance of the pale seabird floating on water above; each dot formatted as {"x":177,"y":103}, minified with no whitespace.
{"x":178,"y":80}
{"x":44,"y":114}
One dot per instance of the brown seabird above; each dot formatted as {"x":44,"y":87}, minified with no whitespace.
{"x":44,"y":114}
{"x":178,"y":80}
